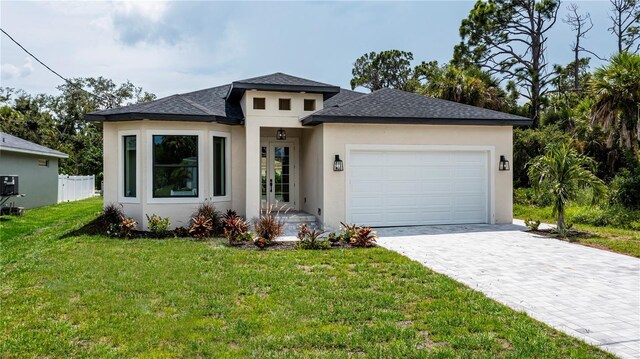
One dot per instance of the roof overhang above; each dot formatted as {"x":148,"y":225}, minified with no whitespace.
{"x":313,"y":120}
{"x":136,"y":116}
{"x":33,"y":152}
{"x":237,"y":89}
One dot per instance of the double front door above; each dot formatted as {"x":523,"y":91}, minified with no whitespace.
{"x":278,"y":173}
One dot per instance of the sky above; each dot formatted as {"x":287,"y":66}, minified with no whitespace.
{"x":176,"y":47}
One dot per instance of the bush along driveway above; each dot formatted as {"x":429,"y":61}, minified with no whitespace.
{"x":65,"y":293}
{"x":586,"y":292}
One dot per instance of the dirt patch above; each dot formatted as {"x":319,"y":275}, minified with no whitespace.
{"x":405,"y":323}
{"x":427,"y":343}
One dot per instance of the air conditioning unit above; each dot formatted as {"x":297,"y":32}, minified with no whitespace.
{"x":9,"y":186}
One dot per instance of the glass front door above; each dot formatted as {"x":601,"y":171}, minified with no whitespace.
{"x":277,"y":174}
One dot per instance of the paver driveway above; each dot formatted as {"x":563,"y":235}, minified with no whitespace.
{"x":589,"y":293}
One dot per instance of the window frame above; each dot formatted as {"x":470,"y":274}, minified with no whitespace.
{"x":227,"y":165}
{"x":201,"y":160}
{"x":43,"y":162}
{"x":304,"y":103}
{"x":286,"y":99}
{"x":253,"y":103}
{"x":121,"y":171}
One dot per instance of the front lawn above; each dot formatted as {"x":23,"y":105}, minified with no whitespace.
{"x":64,"y":293}
{"x":625,"y":241}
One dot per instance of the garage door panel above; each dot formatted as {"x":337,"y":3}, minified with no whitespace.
{"x":361,"y":204}
{"x":430,"y":186}
{"x":367,"y":187}
{"x":433,"y":172}
{"x":364,"y":173}
{"x":431,"y":200}
{"x":418,"y":187}
{"x":470,"y":186}
{"x":402,"y":187}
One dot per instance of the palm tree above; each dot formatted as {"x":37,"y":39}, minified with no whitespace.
{"x":562,"y":171}
{"x":616,"y":88}
{"x":470,"y":86}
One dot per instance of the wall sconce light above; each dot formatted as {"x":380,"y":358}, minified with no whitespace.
{"x":281,"y":135}
{"x":504,"y":164}
{"x":337,"y":164}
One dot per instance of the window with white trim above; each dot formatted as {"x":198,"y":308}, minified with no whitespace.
{"x":175,"y":166}
{"x":219,"y":176}
{"x":129,"y":146}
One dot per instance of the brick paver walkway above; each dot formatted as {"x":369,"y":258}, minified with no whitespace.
{"x":585,"y":292}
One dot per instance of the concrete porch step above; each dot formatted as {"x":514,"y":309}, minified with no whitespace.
{"x":298,"y":217}
{"x":291,"y":229}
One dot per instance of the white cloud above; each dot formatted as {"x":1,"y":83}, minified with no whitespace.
{"x":150,"y":10}
{"x":11,"y":71}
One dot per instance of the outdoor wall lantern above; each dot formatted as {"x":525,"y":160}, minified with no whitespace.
{"x":281,"y":135}
{"x":337,"y":164}
{"x":504,"y":164}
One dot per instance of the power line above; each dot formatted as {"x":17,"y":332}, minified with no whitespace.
{"x":69,"y":82}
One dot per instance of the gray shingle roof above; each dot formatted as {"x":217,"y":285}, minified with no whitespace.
{"x":395,"y":106}
{"x":280,"y":78}
{"x":343,"y":96}
{"x":203,"y":105}
{"x":220,"y":104}
{"x":280,"y":82}
{"x":12,"y":143}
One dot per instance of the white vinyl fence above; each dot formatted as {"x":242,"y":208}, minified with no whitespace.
{"x":74,"y":188}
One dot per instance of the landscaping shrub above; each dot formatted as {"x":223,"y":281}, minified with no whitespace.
{"x":236,"y":229}
{"x":209,"y":211}
{"x":268,"y":226}
{"x":158,"y":226}
{"x":334,"y":238}
{"x":111,"y":217}
{"x":126,"y":227}
{"x":229,"y":214}
{"x":532,"y":224}
{"x":348,"y":231}
{"x":364,"y":237}
{"x":311,"y":239}
{"x":200,"y":227}
{"x":260,"y":243}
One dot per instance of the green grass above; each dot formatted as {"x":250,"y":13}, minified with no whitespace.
{"x":625,"y":241}
{"x":66,"y":294}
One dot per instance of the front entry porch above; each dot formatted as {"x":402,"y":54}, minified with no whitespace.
{"x":283,"y":167}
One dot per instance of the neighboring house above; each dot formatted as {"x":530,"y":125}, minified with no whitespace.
{"x":36,"y":167}
{"x":407,"y":159}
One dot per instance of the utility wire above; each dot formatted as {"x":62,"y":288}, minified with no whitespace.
{"x":69,"y":82}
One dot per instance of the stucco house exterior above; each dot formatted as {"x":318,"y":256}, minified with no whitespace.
{"x":387,"y":158}
{"x":36,"y":167}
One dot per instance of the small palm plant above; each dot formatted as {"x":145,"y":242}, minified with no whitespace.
{"x":563,"y":171}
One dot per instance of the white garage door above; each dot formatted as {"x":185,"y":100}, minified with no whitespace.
{"x":398,"y":188}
